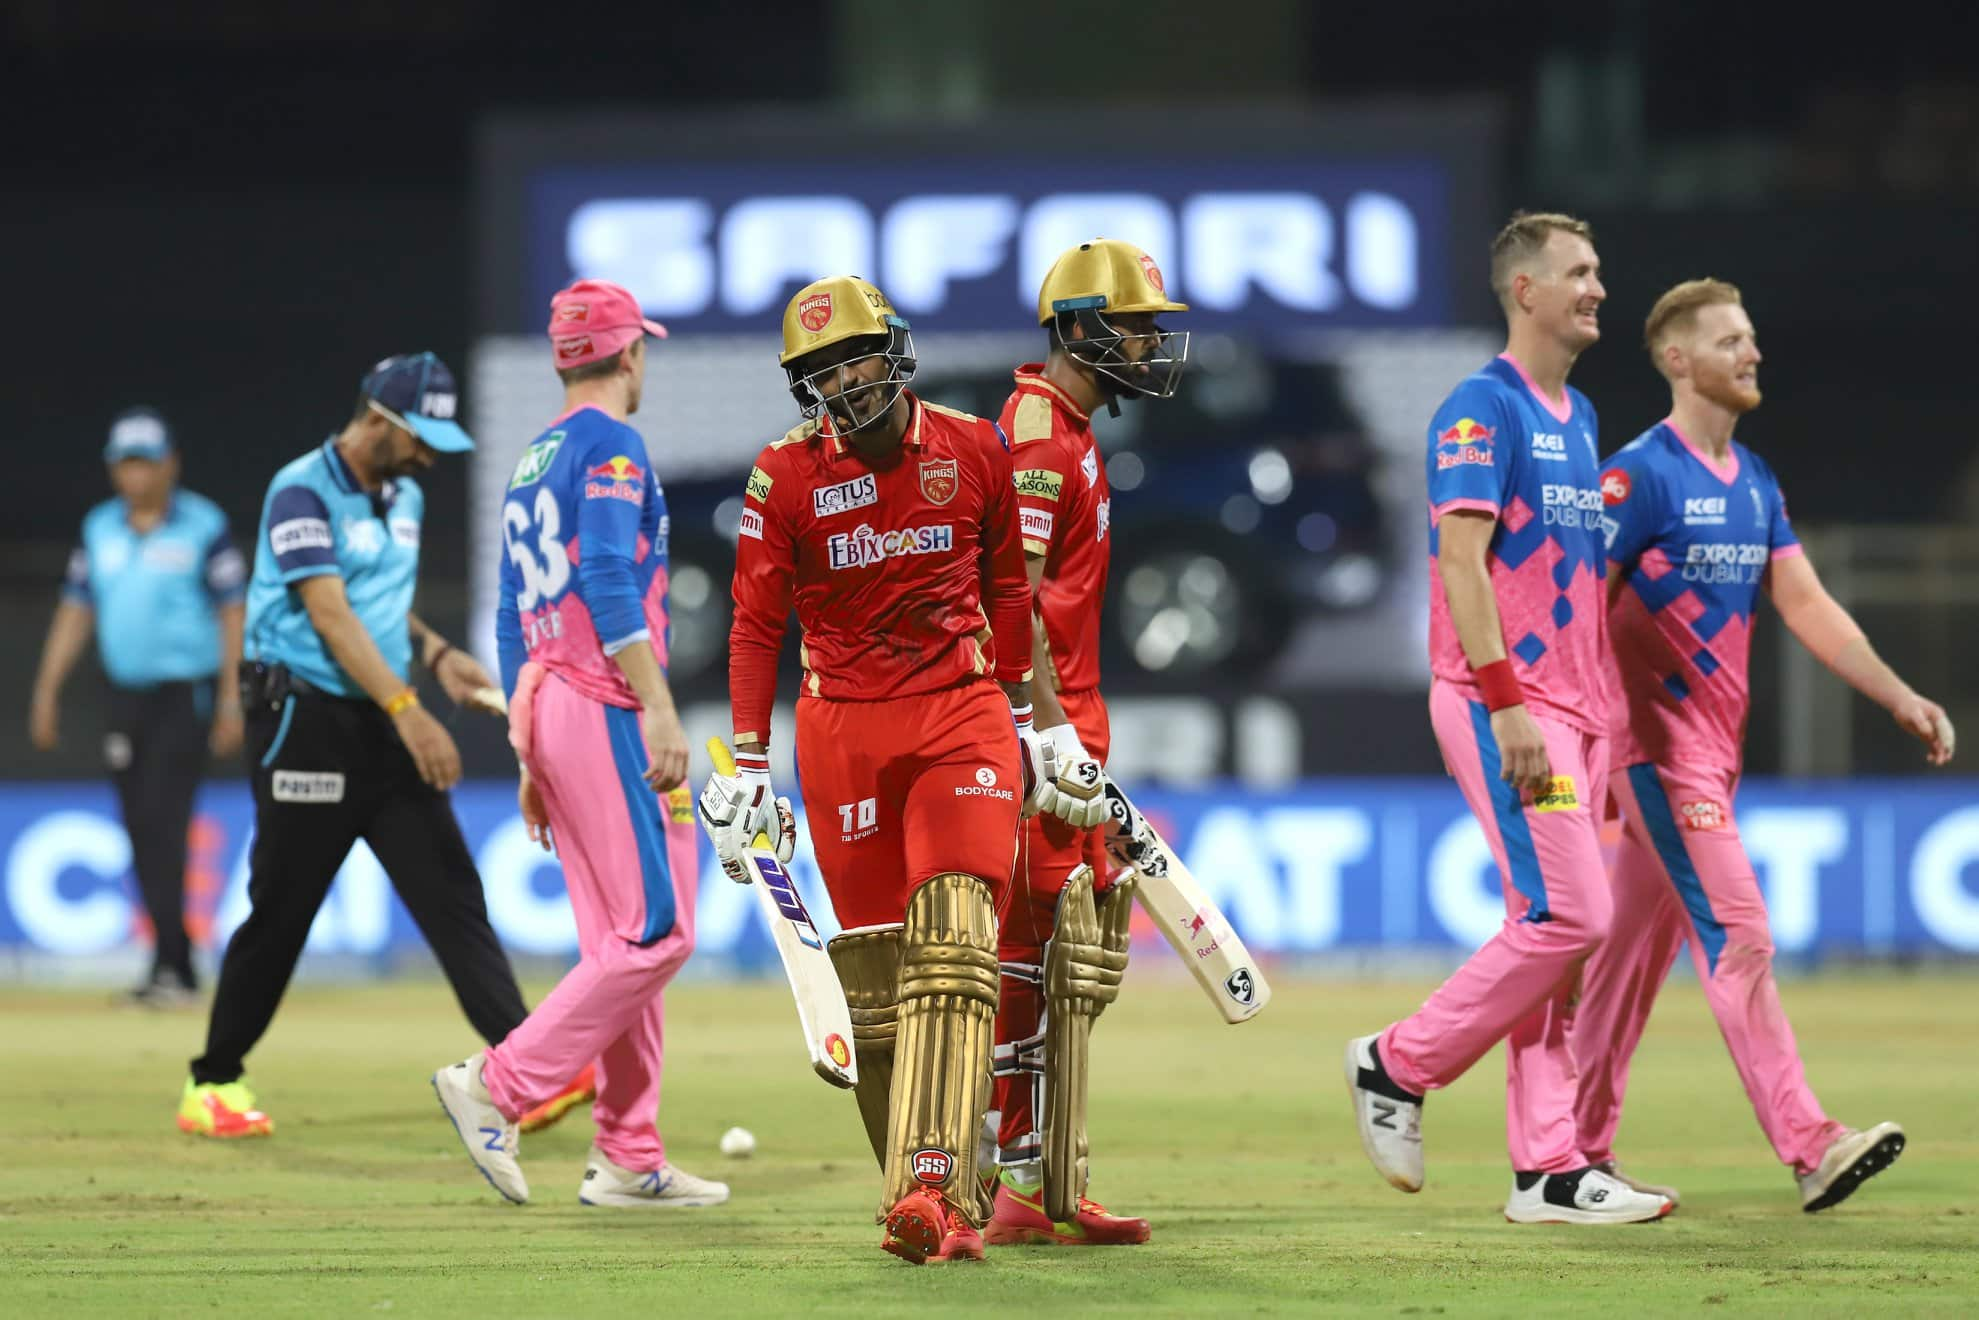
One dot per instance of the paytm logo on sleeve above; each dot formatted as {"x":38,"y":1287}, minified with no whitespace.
{"x":1280,"y":240}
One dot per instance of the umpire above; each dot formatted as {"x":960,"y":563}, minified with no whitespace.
{"x":338,"y":745}
{"x":158,"y":579}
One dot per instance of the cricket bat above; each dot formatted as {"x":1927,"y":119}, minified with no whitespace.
{"x":821,"y":1011}
{"x":1194,"y":927}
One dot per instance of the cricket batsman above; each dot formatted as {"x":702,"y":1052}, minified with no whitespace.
{"x":891,"y":524}
{"x":1519,"y":702}
{"x":582,"y":630}
{"x":1098,"y":303}
{"x":1696,"y":528}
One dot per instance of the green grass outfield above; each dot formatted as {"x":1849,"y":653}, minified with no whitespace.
{"x":1236,"y":1141}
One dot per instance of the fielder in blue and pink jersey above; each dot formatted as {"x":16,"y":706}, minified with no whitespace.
{"x":1696,"y":527}
{"x":1519,"y":703}
{"x":582,"y":631}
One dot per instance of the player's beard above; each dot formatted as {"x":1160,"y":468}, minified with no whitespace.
{"x":1729,"y":394}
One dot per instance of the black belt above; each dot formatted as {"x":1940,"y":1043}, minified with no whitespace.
{"x":264,"y":684}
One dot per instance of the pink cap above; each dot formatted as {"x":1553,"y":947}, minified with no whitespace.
{"x":594,"y":319}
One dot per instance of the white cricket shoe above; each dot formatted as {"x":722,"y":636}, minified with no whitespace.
{"x":1613,"y":1168}
{"x":1389,"y":1118}
{"x":1585,"y":1196}
{"x":1852,"y":1160}
{"x":490,"y":1138}
{"x":606,"y":1183}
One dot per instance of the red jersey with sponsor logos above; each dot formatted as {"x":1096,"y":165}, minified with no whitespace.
{"x":907,"y":574}
{"x":1064,"y":509}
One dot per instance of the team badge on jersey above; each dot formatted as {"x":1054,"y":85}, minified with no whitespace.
{"x":814,"y":313}
{"x":938,"y":480}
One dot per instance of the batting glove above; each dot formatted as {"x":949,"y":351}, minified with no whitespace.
{"x":735,"y":808}
{"x":1074,"y":785}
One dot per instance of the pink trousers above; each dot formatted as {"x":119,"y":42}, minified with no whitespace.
{"x":1681,"y":873}
{"x":630,"y":867}
{"x":1519,"y":987}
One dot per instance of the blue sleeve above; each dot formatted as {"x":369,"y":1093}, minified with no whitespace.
{"x":510,"y":649}
{"x":226,"y":569}
{"x":1632,"y":512}
{"x":1472,"y":444}
{"x":1781,"y":536}
{"x":616,"y":483}
{"x":75,"y":578}
{"x":299,"y":534}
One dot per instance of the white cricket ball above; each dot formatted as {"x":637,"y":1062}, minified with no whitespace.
{"x":738,"y":1143}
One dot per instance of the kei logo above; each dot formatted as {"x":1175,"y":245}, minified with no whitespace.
{"x":1153,"y":272}
{"x":814,"y":313}
{"x":938,"y":480}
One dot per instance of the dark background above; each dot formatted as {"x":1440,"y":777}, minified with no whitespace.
{"x":229,"y":211}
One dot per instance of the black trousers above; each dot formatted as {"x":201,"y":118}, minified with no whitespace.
{"x":328,"y":772}
{"x":156,"y":750}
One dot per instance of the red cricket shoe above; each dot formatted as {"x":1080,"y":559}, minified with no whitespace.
{"x":963,"y":1242}
{"x":1020,"y":1220}
{"x":583,"y":1089}
{"x":916,"y":1226}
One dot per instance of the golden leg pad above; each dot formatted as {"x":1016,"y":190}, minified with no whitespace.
{"x":941,"y":1078}
{"x":1081,"y":977}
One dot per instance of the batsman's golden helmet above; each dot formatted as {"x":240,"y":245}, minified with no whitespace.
{"x":1086,"y":290}
{"x":832,"y":323}
{"x":1106,"y":274}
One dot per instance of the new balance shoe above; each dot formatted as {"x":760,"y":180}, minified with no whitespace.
{"x":1851,"y":1160}
{"x":610,"y":1184}
{"x":1584,"y":1196}
{"x":1019,"y":1219}
{"x":222,"y":1109}
{"x":583,"y":1089}
{"x":1613,"y":1168}
{"x":490,"y":1138}
{"x":1389,"y":1118}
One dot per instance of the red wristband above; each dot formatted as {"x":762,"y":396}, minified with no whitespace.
{"x":1499,"y":685}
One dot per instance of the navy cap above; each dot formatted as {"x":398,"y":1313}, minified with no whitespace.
{"x":417,"y":390}
{"x":138,"y":433}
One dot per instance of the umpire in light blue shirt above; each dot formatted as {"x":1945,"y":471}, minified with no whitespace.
{"x":158,"y":580}
{"x":338,"y":745}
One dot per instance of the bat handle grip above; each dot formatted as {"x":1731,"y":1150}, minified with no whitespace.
{"x":725,"y":765}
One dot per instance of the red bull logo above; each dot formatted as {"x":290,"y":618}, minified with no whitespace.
{"x":1470,"y":441}
{"x":617,"y":478}
{"x":1467,"y":431}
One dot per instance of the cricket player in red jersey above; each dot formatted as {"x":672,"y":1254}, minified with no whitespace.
{"x":1062,"y":940}
{"x":891,"y":524}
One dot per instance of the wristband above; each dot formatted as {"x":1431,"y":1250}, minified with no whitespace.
{"x":433,"y":662}
{"x":1021,"y":716}
{"x":1499,"y":685}
{"x":402,"y":702}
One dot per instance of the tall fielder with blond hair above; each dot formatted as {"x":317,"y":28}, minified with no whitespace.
{"x":1519,"y":702}
{"x":1062,"y":945}
{"x":1696,"y":528}
{"x":890,"y":524}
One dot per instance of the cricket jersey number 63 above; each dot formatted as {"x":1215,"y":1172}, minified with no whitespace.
{"x":545,"y":578}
